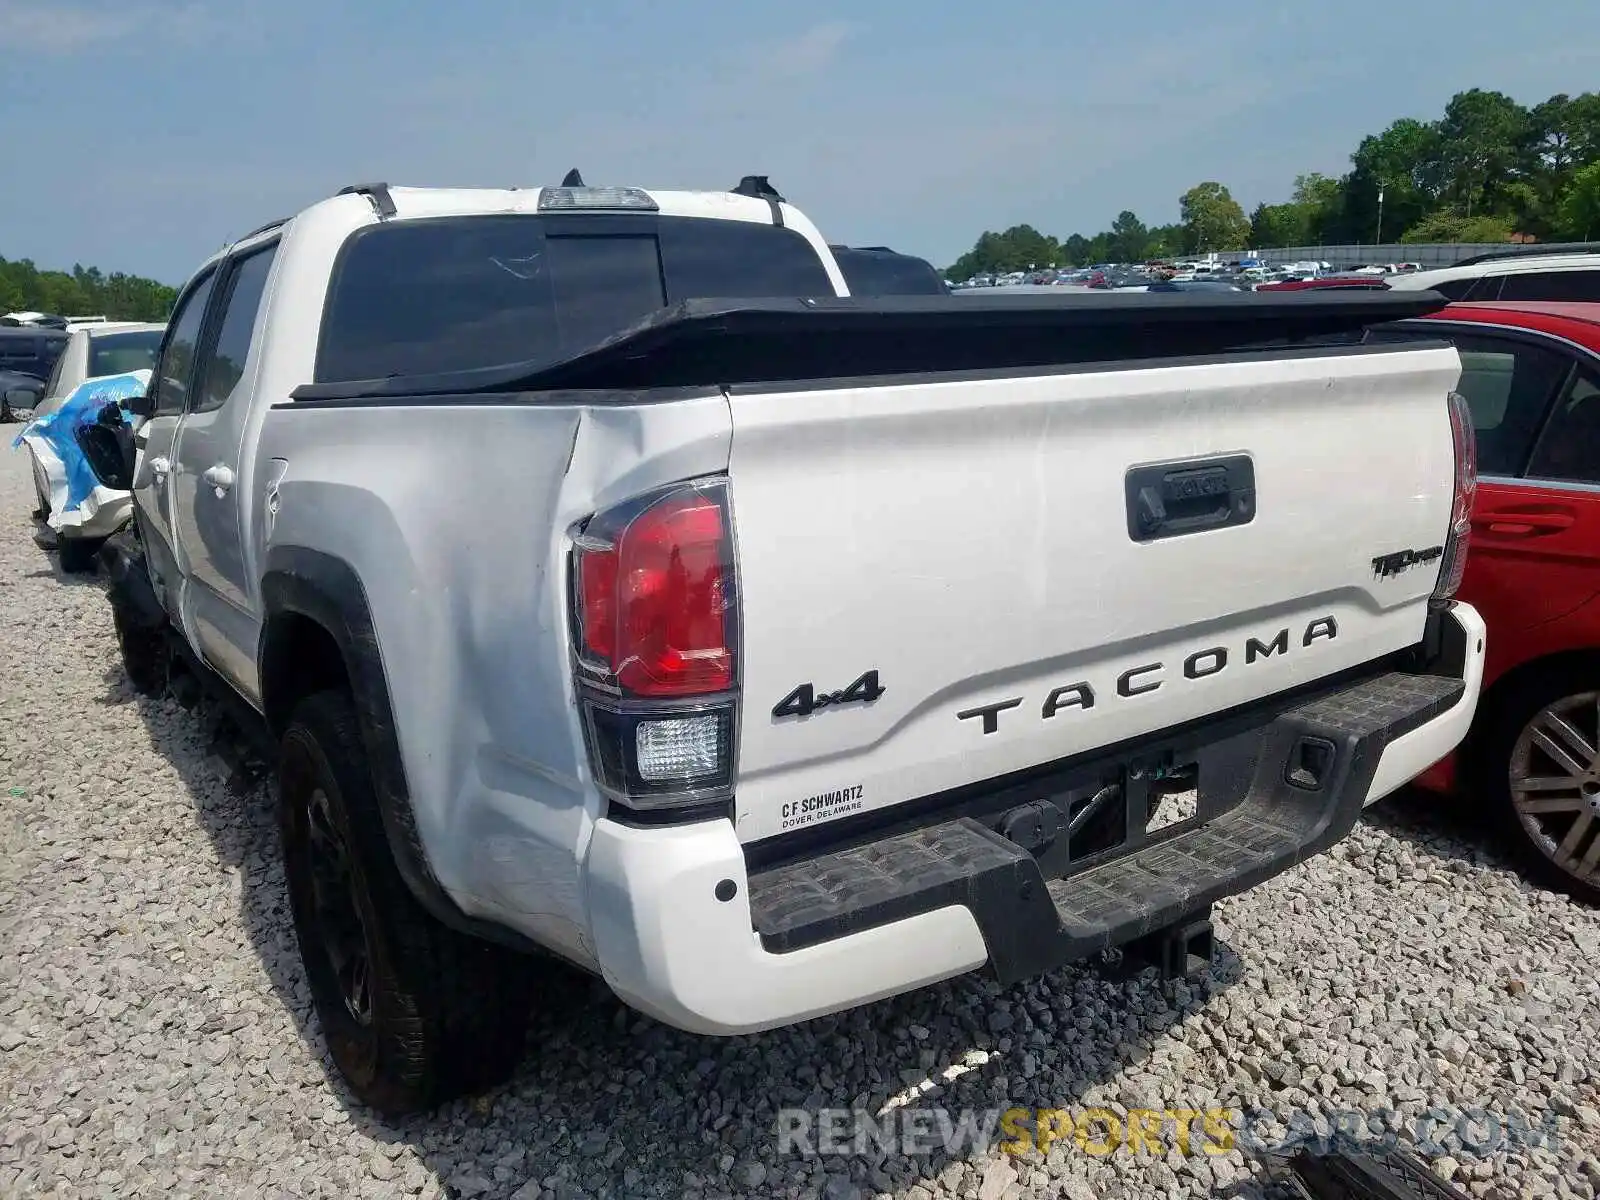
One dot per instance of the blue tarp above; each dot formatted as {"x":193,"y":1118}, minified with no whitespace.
{"x":54,"y":434}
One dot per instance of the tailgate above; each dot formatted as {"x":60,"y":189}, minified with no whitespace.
{"x":970,"y":542}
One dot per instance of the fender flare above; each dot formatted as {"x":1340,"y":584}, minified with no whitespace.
{"x":327,"y":590}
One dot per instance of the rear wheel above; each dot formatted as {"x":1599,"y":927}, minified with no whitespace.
{"x":413,"y":1012}
{"x":1541,"y":770}
{"x":78,"y":556}
{"x":146,"y":653}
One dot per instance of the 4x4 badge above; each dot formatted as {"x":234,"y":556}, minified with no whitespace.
{"x":804,"y":700}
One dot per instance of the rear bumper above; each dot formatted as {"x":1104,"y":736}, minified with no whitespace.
{"x":685,"y":931}
{"x":100,"y":514}
{"x":1412,"y":754}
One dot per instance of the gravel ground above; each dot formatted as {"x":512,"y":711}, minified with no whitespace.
{"x":156,"y":1039}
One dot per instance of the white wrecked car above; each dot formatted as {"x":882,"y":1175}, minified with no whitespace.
{"x":80,"y":465}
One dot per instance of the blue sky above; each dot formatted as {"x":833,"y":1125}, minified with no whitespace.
{"x":141,"y":134}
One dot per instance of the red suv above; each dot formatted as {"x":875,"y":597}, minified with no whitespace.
{"x":1531,"y":375}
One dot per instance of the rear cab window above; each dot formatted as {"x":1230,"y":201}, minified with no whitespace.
{"x":448,"y":294}
{"x":119,"y":353}
{"x":883,"y":273}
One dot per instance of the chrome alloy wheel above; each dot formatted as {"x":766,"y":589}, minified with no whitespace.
{"x":1554,"y":775}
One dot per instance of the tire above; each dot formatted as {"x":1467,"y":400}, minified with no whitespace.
{"x":414,"y":1013}
{"x":1550,"y":846}
{"x":146,"y":653}
{"x":78,"y":556}
{"x":144,"y":638}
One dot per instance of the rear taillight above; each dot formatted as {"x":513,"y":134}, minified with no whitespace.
{"x":1454,"y":562}
{"x":655,"y":622}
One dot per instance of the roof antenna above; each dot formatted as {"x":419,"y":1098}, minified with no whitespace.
{"x":757,"y":186}
{"x":573,"y":179}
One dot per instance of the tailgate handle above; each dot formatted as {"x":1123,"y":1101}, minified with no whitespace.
{"x":1171,"y":499}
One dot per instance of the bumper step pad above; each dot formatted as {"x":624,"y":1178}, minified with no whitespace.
{"x":1031,"y":925}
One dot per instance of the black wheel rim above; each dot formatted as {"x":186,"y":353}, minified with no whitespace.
{"x":339,"y":927}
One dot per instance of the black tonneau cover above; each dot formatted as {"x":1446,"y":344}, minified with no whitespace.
{"x":711,"y":343}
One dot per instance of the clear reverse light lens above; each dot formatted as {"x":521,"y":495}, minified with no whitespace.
{"x":553,"y":198}
{"x":680,"y":749}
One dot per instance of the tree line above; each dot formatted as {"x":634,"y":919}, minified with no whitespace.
{"x":1488,"y":170}
{"x":82,"y":292}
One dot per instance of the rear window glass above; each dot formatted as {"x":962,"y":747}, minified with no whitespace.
{"x":1552,"y":285}
{"x":1570,"y":447}
{"x":877,"y":273}
{"x":460,"y":293}
{"x":1452,"y":289}
{"x":119,"y":353}
{"x":1508,"y":386}
{"x":30,"y":353}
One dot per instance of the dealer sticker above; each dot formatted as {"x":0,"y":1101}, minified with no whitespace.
{"x":824,"y":806}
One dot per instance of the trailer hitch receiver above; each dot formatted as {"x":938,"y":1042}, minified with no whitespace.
{"x":1180,"y":951}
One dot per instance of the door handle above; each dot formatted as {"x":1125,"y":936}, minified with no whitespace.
{"x":219,"y":477}
{"x":1524,"y":524}
{"x":159,"y":467}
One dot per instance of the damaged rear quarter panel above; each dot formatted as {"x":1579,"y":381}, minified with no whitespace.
{"x":456,"y":519}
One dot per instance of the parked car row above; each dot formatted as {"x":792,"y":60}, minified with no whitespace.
{"x":44,"y":320}
{"x":1517,"y":273}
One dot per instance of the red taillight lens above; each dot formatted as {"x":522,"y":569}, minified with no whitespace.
{"x":597,"y":591}
{"x":655,"y":596}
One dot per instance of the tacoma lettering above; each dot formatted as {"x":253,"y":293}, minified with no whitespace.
{"x":989,"y":712}
{"x":1214,"y":660}
{"x":1322,"y":627}
{"x":1254,"y":649}
{"x":1074,"y":695}
{"x":1126,"y":686}
{"x":1150,"y":677}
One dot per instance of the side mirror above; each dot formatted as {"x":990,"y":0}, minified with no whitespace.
{"x":139,"y":406}
{"x":21,"y":397}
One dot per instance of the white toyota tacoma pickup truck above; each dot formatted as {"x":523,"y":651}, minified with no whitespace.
{"x":607,"y":582}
